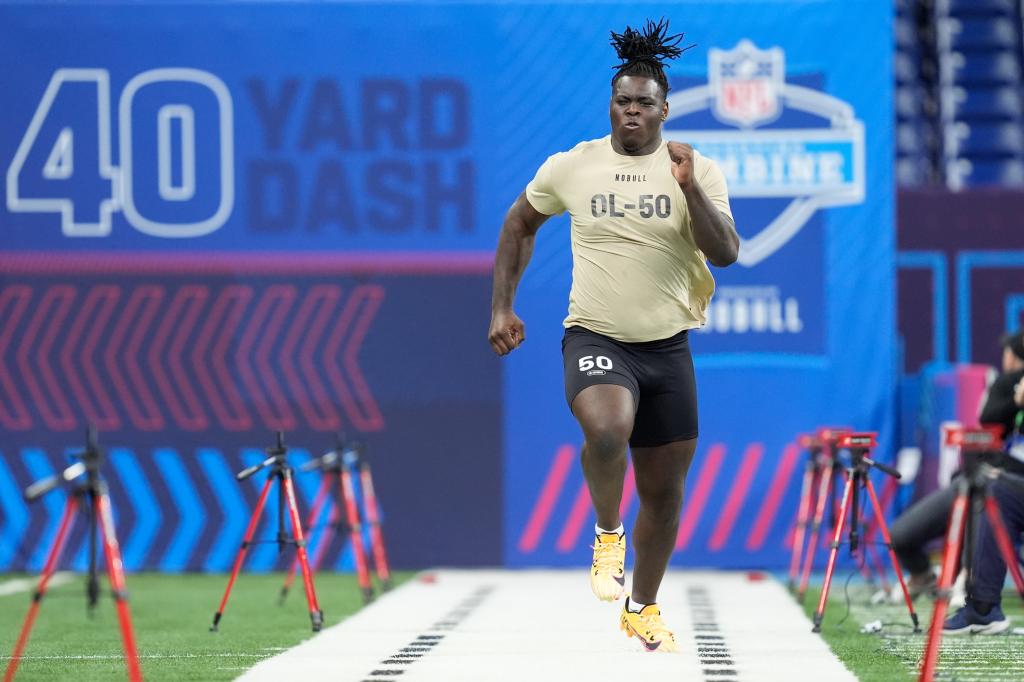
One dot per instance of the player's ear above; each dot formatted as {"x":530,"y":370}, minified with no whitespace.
{"x":664,"y":111}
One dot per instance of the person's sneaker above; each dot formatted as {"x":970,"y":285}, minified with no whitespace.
{"x":968,"y":621}
{"x":915,"y":588}
{"x":648,"y":627}
{"x":608,"y":573}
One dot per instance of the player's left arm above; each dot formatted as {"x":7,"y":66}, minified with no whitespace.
{"x":713,"y":230}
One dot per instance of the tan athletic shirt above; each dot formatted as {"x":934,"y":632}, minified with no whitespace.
{"x":637,"y":274}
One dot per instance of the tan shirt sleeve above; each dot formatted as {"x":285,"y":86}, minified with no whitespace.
{"x":541,"y":192}
{"x":712,"y":181}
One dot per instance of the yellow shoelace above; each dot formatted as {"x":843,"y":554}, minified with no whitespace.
{"x":607,"y":557}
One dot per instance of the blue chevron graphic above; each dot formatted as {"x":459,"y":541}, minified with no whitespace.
{"x":190,"y":510}
{"x":38,"y":464}
{"x":232,"y":504}
{"x":147,"y":509}
{"x":15,"y":516}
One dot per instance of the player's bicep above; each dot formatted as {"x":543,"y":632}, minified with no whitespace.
{"x":522,"y":211}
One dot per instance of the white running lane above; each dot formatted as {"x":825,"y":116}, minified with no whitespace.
{"x":498,"y":626}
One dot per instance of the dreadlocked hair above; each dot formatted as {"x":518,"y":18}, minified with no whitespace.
{"x":644,"y":53}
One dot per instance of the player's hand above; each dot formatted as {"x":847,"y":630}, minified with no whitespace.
{"x":682,"y":163}
{"x":507,"y":332}
{"x":1018,"y":393}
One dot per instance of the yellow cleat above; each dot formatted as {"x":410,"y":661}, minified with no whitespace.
{"x":608,"y":574}
{"x":648,"y":628}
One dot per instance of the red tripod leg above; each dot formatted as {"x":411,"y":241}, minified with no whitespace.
{"x":380,"y":558}
{"x":819,"y":514}
{"x":872,"y":529}
{"x":843,"y":507}
{"x":254,"y":521}
{"x":48,"y":568}
{"x":950,"y":559}
{"x":1003,"y":541}
{"x":325,"y":541}
{"x":884,"y":530}
{"x":803,"y":511}
{"x":315,"y":614}
{"x":356,"y":535}
{"x":115,"y":571}
{"x":314,"y":514}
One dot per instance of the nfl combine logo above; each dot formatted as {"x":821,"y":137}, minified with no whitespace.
{"x":773,"y":140}
{"x":746,"y":82}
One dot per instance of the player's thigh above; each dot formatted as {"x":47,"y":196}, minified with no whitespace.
{"x":668,"y":401}
{"x":600,"y":387}
{"x":660,"y":471}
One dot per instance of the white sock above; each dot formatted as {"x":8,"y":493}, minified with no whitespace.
{"x":598,"y":530}
{"x":634,"y":607}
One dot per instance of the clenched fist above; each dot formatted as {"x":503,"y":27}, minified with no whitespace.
{"x":682,"y":163}
{"x":507,"y":332}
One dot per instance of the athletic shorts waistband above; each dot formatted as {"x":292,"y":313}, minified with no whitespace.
{"x":675,"y":340}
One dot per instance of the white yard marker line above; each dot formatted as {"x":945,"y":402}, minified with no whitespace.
{"x":499,"y":626}
{"x":17,"y":585}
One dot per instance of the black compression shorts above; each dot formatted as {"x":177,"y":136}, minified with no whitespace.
{"x":659,"y":374}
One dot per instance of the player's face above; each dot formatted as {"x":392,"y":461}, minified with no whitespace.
{"x":637,"y":110}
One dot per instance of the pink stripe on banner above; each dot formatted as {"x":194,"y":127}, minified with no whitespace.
{"x":230,"y":262}
{"x":694,"y":506}
{"x":770,"y":508}
{"x":579,"y":514}
{"x":738,"y":494}
{"x":548,"y":496}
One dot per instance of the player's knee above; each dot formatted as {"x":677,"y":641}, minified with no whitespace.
{"x":662,"y":507}
{"x":607,"y":441}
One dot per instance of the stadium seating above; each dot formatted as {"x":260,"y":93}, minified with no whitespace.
{"x":996,"y":68}
{"x":980,"y":8}
{"x":978,"y":52}
{"x":916,"y":145}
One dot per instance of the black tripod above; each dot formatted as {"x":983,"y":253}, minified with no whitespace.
{"x":979,"y":449}
{"x":281,"y":472}
{"x":859,"y":444}
{"x":88,"y":496}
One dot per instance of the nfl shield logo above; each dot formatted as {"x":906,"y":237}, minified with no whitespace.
{"x":745,"y":83}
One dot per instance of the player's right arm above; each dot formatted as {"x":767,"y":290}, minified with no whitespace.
{"x":515,"y":246}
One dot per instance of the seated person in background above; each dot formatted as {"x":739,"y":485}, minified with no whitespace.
{"x":926,"y":519}
{"x":999,"y":404}
{"x":982,"y":614}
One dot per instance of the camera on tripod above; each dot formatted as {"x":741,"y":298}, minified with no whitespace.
{"x":977,"y":446}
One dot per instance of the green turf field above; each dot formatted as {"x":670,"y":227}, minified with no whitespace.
{"x":894,"y":653}
{"x":172,"y":615}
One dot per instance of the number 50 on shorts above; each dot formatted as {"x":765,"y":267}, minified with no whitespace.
{"x":588,"y":362}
